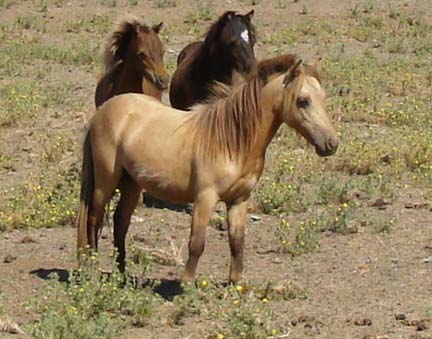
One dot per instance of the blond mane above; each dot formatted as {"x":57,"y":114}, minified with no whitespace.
{"x":227,"y":123}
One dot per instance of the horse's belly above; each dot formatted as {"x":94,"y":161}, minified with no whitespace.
{"x":171,"y":186}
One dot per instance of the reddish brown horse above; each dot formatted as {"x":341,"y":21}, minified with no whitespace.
{"x":133,"y":60}
{"x":228,"y":46}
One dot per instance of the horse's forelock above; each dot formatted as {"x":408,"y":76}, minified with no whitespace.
{"x":120,"y":38}
{"x":216,"y":28}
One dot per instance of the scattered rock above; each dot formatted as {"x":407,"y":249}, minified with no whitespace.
{"x":417,"y":205}
{"x":254,"y":217}
{"x":386,"y":159}
{"x":27,"y":240}
{"x":277,"y":260}
{"x":380,"y":203}
{"x":139,"y":238}
{"x":344,"y":90}
{"x":427,"y":259}
{"x":400,"y":316}
{"x":420,"y":325}
{"x":363,"y":322}
{"x":9,"y":258}
{"x":8,"y":326}
{"x":305,"y":318}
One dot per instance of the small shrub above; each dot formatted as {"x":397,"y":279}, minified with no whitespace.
{"x":43,"y":201}
{"x":298,"y":239}
{"x":90,"y":304}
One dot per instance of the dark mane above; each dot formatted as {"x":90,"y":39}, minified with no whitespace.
{"x":281,"y":64}
{"x":216,"y":28}
{"x":118,"y":41}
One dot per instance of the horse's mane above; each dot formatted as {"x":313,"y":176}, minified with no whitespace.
{"x":215,"y":30}
{"x":119,"y":39}
{"x":281,"y":64}
{"x":226,"y":124}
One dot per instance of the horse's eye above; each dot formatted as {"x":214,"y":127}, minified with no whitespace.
{"x":142,"y":55}
{"x":303,"y":102}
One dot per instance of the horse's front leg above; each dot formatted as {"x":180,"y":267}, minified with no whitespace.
{"x":236,"y":222}
{"x":202,"y":209}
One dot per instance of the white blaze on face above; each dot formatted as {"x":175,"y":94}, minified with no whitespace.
{"x":245,"y":35}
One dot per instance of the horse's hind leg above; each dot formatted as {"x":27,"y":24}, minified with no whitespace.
{"x":130,"y":194}
{"x":106,"y":179}
{"x":102,"y":194}
{"x":236,"y":221}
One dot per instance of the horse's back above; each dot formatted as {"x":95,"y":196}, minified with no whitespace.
{"x":151,"y":141}
{"x":126,"y":115}
{"x":105,"y":86}
{"x":104,"y":90}
{"x":185,"y":89}
{"x":188,"y":51}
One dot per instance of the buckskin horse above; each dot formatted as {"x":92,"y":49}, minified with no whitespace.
{"x":215,"y":152}
{"x":228,"y":47}
{"x":133,"y":59}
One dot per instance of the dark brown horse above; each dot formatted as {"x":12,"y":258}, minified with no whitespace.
{"x":133,"y":60}
{"x":228,"y":47}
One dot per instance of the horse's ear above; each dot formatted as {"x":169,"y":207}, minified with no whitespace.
{"x":157,"y":28}
{"x":292,"y":73}
{"x":317,"y":63}
{"x":249,"y":15}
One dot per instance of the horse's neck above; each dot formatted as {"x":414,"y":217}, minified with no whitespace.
{"x":149,"y":88}
{"x":129,"y":80}
{"x":212,"y":67}
{"x":269,"y":122}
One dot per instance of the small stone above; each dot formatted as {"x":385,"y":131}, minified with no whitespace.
{"x":400,"y":316}
{"x":380,"y":203}
{"x":277,"y":260}
{"x":27,"y":240}
{"x":363,"y":322}
{"x":9,"y":258}
{"x":255,"y":217}
{"x":419,"y":324}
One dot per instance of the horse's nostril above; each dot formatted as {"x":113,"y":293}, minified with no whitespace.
{"x":333,"y":143}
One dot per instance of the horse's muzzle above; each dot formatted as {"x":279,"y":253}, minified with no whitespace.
{"x":162,"y":82}
{"x":330,"y":147}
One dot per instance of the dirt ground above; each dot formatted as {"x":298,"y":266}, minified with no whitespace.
{"x":361,"y":285}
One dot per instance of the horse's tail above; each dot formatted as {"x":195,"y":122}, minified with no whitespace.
{"x":86,"y":196}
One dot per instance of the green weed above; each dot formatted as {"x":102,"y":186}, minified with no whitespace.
{"x":91,"y":304}
{"x":240,"y":311}
{"x":7,"y":3}
{"x":42,"y":201}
